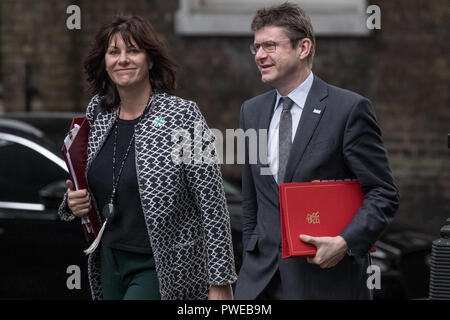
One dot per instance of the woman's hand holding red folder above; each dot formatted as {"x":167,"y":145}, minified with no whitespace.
{"x":79,"y":201}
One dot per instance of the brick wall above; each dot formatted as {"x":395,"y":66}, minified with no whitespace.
{"x":402,"y":68}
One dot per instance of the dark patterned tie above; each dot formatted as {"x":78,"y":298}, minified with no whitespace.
{"x":284,"y":138}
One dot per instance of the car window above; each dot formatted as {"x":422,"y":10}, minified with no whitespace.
{"x":232,"y":193}
{"x":24,"y":171}
{"x":230,"y":189}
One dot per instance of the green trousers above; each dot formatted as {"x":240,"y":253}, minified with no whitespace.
{"x":128,"y":276}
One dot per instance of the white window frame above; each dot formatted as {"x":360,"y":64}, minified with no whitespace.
{"x":233,"y":17}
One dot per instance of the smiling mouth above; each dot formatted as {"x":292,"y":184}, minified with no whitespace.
{"x":130,"y":69}
{"x":265,"y":68}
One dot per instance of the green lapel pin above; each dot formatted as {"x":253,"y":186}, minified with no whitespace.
{"x":158,"y":122}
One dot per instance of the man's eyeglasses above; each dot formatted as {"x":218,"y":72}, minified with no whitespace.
{"x":267,"y":46}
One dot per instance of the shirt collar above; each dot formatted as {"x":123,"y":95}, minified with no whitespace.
{"x":299,"y":94}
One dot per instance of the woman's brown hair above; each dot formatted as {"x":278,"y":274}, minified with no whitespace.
{"x":162,"y":74}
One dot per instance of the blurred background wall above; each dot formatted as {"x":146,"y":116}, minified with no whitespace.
{"x":403,"y":68}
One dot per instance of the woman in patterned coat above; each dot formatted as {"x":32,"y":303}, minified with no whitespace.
{"x":166,"y":224}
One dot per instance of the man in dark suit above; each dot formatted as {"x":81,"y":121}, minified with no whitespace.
{"x":315,"y":131}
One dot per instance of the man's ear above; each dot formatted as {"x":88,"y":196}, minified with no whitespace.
{"x":304,"y":48}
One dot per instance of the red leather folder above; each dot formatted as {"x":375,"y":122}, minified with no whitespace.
{"x":76,"y":159}
{"x":319,"y":209}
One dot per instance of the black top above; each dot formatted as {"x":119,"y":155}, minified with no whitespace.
{"x":127,"y":229}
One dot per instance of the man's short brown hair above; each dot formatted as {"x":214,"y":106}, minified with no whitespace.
{"x":291,"y":17}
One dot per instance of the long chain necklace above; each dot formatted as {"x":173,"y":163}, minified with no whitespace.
{"x":110,"y":208}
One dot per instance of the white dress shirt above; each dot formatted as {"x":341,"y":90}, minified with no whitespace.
{"x":298,"y":95}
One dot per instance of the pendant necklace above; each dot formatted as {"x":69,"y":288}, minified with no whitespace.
{"x":110,"y":208}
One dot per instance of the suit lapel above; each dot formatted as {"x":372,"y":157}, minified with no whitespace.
{"x":312,"y":113}
{"x":267,"y":111}
{"x":264,"y":123}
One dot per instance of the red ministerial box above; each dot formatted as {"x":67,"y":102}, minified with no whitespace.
{"x":319,"y":209}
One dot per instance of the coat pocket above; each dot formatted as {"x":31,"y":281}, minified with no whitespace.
{"x":252,"y":243}
{"x":190,"y":276}
{"x":320,"y":146}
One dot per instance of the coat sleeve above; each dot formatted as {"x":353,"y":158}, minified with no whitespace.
{"x":64,"y":211}
{"x":249,"y":203}
{"x":365,"y":155}
{"x":205,"y":181}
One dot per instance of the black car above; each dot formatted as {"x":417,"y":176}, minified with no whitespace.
{"x":38,"y":249}
{"x":403,"y":257}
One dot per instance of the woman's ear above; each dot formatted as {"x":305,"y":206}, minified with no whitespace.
{"x":150,"y":63}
